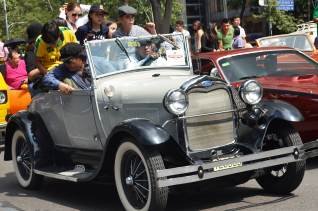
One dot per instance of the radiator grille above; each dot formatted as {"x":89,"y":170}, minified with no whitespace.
{"x":209,"y":131}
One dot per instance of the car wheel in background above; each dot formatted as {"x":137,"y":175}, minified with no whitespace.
{"x":135,"y":177}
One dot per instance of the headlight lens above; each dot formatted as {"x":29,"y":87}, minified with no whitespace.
{"x":176,"y":102}
{"x":251,"y":92}
{"x":3,"y":97}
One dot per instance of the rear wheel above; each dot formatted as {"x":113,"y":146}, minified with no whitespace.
{"x":284,"y":178}
{"x":135,"y":177}
{"x":23,"y":164}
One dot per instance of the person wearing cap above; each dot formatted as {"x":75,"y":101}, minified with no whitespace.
{"x":95,"y":28}
{"x":70,"y":74}
{"x":127,"y":28}
{"x":48,"y":45}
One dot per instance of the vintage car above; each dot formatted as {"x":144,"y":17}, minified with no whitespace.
{"x":297,"y":40}
{"x":147,"y":124}
{"x":285,"y":74}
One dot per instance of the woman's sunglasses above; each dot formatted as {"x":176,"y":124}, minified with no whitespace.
{"x":77,"y":14}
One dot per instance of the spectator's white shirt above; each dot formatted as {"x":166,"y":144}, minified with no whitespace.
{"x":242,"y":32}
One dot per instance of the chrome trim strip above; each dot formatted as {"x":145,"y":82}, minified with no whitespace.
{"x":207,"y":114}
{"x":251,"y":157}
{"x":55,"y":176}
{"x":215,"y":174}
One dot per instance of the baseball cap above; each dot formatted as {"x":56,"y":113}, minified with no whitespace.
{"x":72,"y":50}
{"x":97,"y":8}
{"x":126,"y":10}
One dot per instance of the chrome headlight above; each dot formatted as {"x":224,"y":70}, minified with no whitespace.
{"x":176,"y":102}
{"x":251,"y":92}
{"x":3,"y":97}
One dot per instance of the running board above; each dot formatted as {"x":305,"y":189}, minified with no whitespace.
{"x":73,"y":175}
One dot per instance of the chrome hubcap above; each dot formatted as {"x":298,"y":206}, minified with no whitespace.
{"x":19,"y":159}
{"x":129,"y":180}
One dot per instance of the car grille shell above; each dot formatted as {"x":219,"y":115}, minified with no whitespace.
{"x":209,"y":120}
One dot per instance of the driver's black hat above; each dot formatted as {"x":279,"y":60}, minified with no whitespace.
{"x":72,"y":50}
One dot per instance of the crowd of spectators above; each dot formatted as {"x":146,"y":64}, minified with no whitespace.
{"x":52,"y":50}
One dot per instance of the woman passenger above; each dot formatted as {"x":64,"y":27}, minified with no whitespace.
{"x":16,"y":73}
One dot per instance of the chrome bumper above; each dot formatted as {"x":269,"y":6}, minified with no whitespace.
{"x":197,"y":173}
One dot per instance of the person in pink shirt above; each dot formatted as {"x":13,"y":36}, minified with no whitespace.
{"x":16,"y":73}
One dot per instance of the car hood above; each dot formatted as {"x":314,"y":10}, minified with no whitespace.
{"x":145,"y":86}
{"x":304,"y":83}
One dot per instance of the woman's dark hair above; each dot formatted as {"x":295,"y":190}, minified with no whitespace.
{"x":236,"y":31}
{"x":71,"y":6}
{"x":11,"y":52}
{"x":199,"y":24}
{"x":60,"y":22}
{"x":50,"y":32}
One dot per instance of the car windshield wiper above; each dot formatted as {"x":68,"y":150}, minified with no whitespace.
{"x":168,"y":41}
{"x":121,"y":46}
{"x":250,"y":77}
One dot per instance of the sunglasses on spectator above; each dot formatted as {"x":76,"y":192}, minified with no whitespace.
{"x":77,"y":14}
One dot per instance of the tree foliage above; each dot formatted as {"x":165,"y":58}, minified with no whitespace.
{"x":23,"y":12}
{"x":281,"y":20}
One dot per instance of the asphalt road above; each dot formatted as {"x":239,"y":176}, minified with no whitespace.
{"x":59,"y":195}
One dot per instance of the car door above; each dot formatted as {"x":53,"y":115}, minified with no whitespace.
{"x":78,"y":115}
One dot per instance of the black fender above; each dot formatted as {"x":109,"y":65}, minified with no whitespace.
{"x":269,"y":112}
{"x":277,"y":109}
{"x":23,"y":122}
{"x":147,"y":135}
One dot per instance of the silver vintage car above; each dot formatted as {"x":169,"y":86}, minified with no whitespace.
{"x":148,"y":124}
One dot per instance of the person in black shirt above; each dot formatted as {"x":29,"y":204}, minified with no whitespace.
{"x":209,"y":41}
{"x":95,"y":28}
{"x":33,"y":31}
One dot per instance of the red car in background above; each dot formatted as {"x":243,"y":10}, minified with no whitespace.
{"x":285,"y":73}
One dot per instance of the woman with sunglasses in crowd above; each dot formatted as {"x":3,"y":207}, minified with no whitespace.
{"x":72,"y":12}
{"x":95,"y":28}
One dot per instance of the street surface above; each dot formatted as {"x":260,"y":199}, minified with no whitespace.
{"x":66,"y":196}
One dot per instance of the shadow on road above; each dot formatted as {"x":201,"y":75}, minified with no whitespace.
{"x":222,"y":197}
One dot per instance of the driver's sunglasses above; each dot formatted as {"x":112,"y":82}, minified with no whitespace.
{"x":77,"y":14}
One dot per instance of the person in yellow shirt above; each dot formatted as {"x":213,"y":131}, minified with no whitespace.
{"x":48,"y":45}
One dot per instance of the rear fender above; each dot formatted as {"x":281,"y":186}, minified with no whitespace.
{"x":22,"y":121}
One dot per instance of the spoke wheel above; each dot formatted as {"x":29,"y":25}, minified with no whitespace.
{"x":22,"y":158}
{"x":135,"y":178}
{"x":282,"y":179}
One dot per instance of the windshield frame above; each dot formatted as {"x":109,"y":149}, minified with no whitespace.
{"x":187,"y":55}
{"x":262,"y":39}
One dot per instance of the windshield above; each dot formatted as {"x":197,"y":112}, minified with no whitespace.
{"x":130,"y":53}
{"x":270,"y":63}
{"x":299,"y":41}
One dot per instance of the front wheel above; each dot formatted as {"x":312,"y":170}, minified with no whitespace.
{"x":23,"y":164}
{"x":284,"y":178}
{"x":135,"y":177}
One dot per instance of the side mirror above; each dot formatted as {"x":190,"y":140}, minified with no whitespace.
{"x":215,"y":73}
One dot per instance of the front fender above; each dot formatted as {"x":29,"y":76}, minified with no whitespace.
{"x":277,"y":109}
{"x":22,"y":121}
{"x":149,"y":136}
